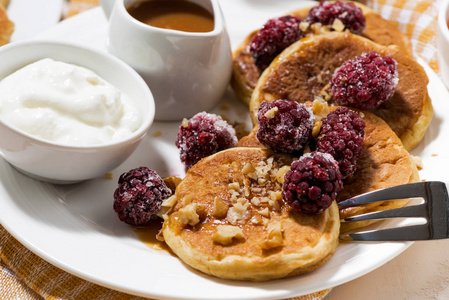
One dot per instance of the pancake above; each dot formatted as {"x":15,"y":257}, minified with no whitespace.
{"x":303,"y":71}
{"x":6,"y":27}
{"x":230,"y":221}
{"x":384,"y":162}
{"x":245,"y":73}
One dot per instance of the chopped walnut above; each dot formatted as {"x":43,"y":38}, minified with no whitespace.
{"x":264,"y":199}
{"x":316,"y":128}
{"x":238,"y":213}
{"x":220,"y":208}
{"x":418,"y":162}
{"x":256,"y":220}
{"x":187,"y":199}
{"x":248,"y":168}
{"x":338,"y":25}
{"x":172,"y":182}
{"x":275,"y":196}
{"x":188,"y":214}
{"x":234,"y":196}
{"x":274,"y":237}
{"x":255,"y":201}
{"x":316,"y":28}
{"x":167,"y":206}
{"x":271,"y":113}
{"x":234,"y":186}
{"x":265,"y":212}
{"x":281,"y":173}
{"x":304,"y":26}
{"x":274,"y":205}
{"x":226,"y":233}
{"x":320,"y":109}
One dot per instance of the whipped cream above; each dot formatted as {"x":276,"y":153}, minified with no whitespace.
{"x":67,"y":104}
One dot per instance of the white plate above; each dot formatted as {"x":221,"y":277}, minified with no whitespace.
{"x":32,"y":17}
{"x":75,"y":228}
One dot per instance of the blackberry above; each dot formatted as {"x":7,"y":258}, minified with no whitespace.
{"x":284,"y":126}
{"x":341,"y":135}
{"x":139,"y":196}
{"x":349,"y":14}
{"x":312,"y":183}
{"x":365,"y":81}
{"x":204,"y":134}
{"x":275,"y":35}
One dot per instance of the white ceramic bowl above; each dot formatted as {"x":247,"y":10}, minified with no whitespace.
{"x":57,"y":163}
{"x":443,"y":40}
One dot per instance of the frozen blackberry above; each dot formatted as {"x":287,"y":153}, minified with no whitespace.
{"x":312,"y":183}
{"x":284,"y":126}
{"x":349,"y":14}
{"x":204,"y":134}
{"x":365,"y":81}
{"x":341,"y":135}
{"x":275,"y":35}
{"x":139,"y":196}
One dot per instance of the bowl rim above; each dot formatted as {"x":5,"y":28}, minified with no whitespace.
{"x":147,"y":117}
{"x":443,"y":18}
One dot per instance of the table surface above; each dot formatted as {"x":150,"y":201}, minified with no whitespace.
{"x":420,"y":272}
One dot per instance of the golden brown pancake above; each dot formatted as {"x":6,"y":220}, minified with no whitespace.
{"x":383,"y":163}
{"x":6,"y":27}
{"x":379,"y":30}
{"x":303,"y":71}
{"x":230,"y":221}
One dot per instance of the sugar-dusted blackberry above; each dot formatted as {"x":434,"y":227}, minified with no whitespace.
{"x":341,"y":135}
{"x":347,"y":12}
{"x":275,"y":35}
{"x":312,"y":183}
{"x":284,"y":126}
{"x":365,"y":81}
{"x":139,"y":196}
{"x":204,"y":134}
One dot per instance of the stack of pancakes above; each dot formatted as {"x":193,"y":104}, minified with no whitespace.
{"x":227,"y":217}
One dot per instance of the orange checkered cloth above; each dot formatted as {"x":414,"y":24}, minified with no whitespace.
{"x":24,"y":275}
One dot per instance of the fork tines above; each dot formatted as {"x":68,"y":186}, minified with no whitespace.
{"x":435,"y":210}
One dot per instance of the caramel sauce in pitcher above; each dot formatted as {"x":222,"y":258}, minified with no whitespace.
{"x":179,"y":15}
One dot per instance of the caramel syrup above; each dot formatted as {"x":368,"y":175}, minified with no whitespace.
{"x":173,"y":14}
{"x":148,"y":236}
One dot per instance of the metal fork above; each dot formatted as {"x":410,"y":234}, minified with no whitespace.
{"x":435,"y":210}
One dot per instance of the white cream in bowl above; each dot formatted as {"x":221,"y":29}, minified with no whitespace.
{"x":67,"y":104}
{"x":69,"y":113}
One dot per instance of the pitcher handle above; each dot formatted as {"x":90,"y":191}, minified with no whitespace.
{"x":107,"y":6}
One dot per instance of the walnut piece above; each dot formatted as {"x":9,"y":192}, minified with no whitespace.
{"x":248,"y":168}
{"x":338,"y":25}
{"x":274,"y":237}
{"x":188,"y":214}
{"x":167,"y":206}
{"x":172,"y":182}
{"x":281,"y":173}
{"x":226,"y":233}
{"x":271,"y":113}
{"x":220,"y":208}
{"x":238,"y":213}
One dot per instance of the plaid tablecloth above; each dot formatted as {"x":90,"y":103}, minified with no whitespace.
{"x":23,"y":275}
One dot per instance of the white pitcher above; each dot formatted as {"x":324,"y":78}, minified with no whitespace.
{"x":187,"y":72}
